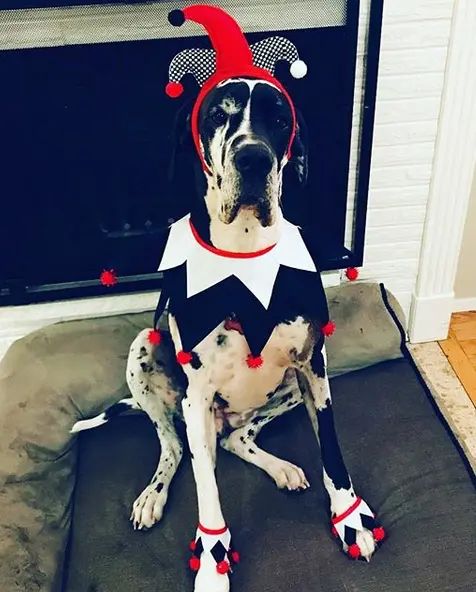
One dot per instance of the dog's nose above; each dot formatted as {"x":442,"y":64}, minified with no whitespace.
{"x":253,"y":160}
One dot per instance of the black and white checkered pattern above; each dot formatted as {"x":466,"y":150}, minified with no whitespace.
{"x":271,"y":50}
{"x":199,"y":62}
{"x":202,"y":62}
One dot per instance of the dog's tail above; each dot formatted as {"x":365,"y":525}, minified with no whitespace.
{"x":127,"y":404}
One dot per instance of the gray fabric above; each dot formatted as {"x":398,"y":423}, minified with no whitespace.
{"x":365,"y":332}
{"x":64,"y":372}
{"x":47,"y":380}
{"x":402,"y":462}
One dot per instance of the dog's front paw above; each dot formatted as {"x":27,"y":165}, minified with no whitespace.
{"x":287,"y":476}
{"x":148,"y":507}
{"x":208,"y":579}
{"x":358,"y":531}
{"x":364,"y":547}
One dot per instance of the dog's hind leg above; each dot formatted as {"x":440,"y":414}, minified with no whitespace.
{"x":241,"y":441}
{"x":353,"y":521}
{"x":155,"y":394}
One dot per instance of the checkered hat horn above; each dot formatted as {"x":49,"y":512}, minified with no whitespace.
{"x":198,"y":62}
{"x":268,"y":52}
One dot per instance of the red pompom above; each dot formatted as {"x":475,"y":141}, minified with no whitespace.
{"x":194,"y":563}
{"x":254,"y":362}
{"x":352,"y":273}
{"x":174,"y":89}
{"x":154,"y":337}
{"x":108,"y":278}
{"x":328,"y":329}
{"x":223,"y":567}
{"x":192,"y":546}
{"x":379,"y":533}
{"x":184,"y":357}
{"x":354,"y":551}
{"x":235,"y":557}
{"x":334,"y":532}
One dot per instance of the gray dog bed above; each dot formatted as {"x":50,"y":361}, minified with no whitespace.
{"x":398,"y":452}
{"x":401,"y":460}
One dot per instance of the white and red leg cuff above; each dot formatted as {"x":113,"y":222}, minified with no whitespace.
{"x":218,"y":544}
{"x":357,"y":517}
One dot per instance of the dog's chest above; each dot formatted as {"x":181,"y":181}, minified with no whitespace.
{"x":223,"y":354}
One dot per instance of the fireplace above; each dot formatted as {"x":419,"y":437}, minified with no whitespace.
{"x":89,"y":132}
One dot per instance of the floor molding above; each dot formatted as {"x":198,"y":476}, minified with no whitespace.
{"x":430,"y":317}
{"x":464,"y":304}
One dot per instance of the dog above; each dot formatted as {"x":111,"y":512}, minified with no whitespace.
{"x":244,"y":127}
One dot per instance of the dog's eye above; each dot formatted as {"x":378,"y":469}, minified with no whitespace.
{"x":281,"y":122}
{"x":218,"y":117}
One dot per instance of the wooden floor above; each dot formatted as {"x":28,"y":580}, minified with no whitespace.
{"x":460,"y":349}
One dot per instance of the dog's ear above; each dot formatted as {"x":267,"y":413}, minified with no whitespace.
{"x":181,"y":142}
{"x":299,"y":152}
{"x":183,"y":181}
{"x":295,"y":203}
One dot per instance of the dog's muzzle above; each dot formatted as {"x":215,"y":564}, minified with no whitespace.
{"x":253,"y":163}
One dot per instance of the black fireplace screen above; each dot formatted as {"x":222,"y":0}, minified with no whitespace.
{"x":87,"y":135}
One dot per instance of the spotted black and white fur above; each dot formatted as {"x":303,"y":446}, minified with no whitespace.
{"x":245,"y":127}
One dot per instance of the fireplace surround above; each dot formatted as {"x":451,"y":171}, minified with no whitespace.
{"x":89,"y":133}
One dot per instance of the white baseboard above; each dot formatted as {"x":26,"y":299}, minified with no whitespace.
{"x":430,"y":317}
{"x":464,"y":304}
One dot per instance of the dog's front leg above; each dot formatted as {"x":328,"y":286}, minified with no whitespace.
{"x":353,"y":522}
{"x":211,"y":547}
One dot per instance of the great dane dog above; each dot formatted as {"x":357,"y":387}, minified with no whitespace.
{"x":244,"y":127}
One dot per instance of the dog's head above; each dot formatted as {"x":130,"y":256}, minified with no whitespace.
{"x":245,"y":128}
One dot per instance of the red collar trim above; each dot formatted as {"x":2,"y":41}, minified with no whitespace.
{"x":229,"y":254}
{"x":349,"y":511}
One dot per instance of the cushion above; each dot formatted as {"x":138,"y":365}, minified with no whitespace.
{"x":64,"y":372}
{"x":365,"y":328}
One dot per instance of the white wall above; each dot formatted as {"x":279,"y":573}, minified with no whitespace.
{"x":415,"y":40}
{"x":465,"y":284}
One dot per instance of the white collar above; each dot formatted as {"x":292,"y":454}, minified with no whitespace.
{"x":206,"y":267}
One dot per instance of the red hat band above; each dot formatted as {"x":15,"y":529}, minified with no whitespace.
{"x":231,"y":57}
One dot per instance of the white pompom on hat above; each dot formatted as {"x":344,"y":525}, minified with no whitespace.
{"x":298,"y":69}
